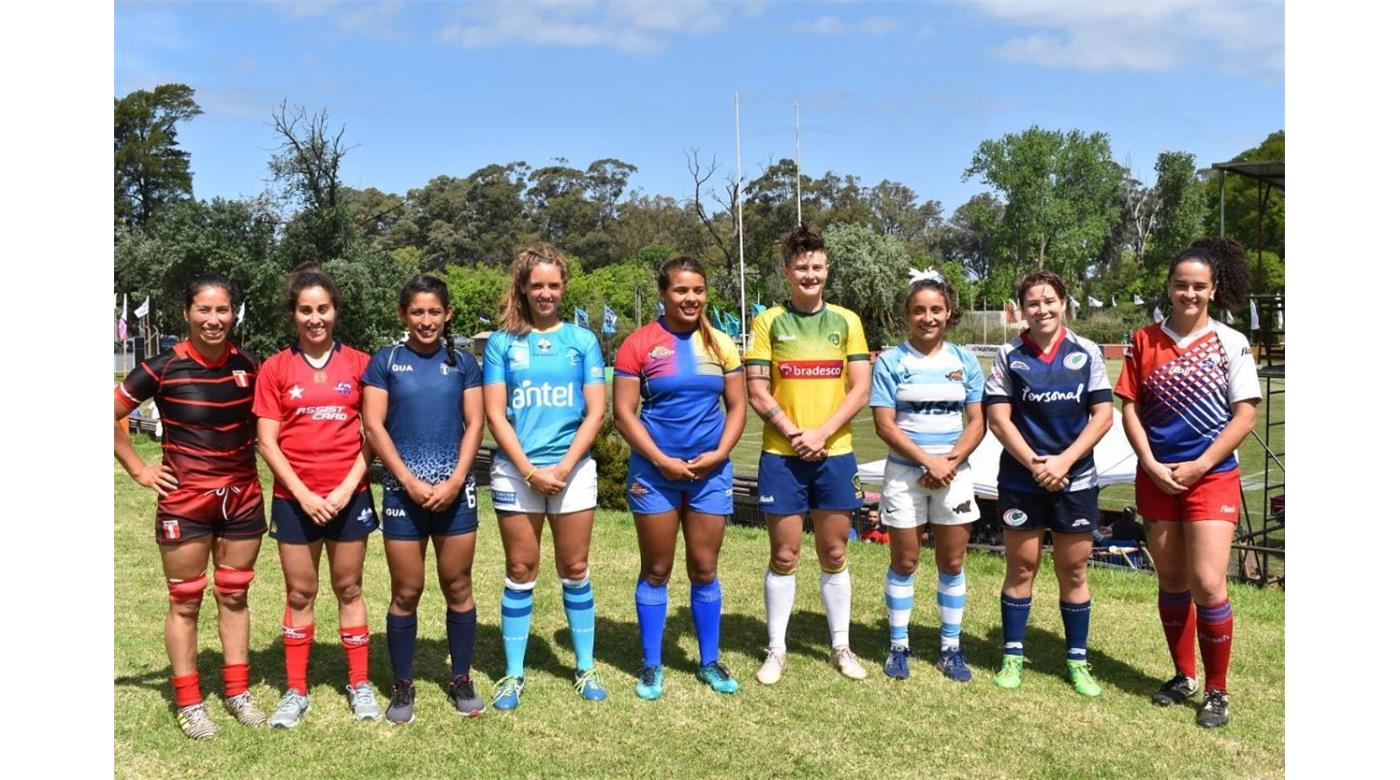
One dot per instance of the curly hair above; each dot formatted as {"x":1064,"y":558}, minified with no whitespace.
{"x":800,"y":242}
{"x":304,"y":277}
{"x":1225,"y":257}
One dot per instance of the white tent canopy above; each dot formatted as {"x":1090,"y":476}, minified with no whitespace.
{"x":1113,"y":457}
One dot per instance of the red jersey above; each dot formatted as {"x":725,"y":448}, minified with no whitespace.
{"x":319,"y":412}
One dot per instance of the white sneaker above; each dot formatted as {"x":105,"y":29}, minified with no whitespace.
{"x":772,"y":669}
{"x":842,"y":658}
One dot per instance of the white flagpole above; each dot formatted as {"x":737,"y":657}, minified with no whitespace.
{"x":739,"y":185}
{"x":797,"y":130}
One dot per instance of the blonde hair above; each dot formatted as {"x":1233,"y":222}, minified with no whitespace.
{"x":515,"y":309}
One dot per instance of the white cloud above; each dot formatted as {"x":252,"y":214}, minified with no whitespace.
{"x":834,"y":25}
{"x":1143,"y":35}
{"x":349,"y":17}
{"x":636,"y":27}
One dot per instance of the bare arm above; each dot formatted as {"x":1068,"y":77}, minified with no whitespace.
{"x":759,"y":379}
{"x":595,"y":402}
{"x":1055,"y":468}
{"x":316,"y":507}
{"x":735,"y":415}
{"x":155,"y":476}
{"x":1137,"y":437}
{"x":374,"y":410}
{"x":1242,"y":415}
{"x":626,"y":392}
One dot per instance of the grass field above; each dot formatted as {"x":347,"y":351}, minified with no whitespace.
{"x":813,"y":723}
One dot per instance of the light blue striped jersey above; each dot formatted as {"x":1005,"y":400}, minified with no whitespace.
{"x":544,"y":373}
{"x":927,"y":392}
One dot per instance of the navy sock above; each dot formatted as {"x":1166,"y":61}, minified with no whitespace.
{"x":403,"y":639}
{"x":1076,"y":618}
{"x":461,"y":639}
{"x":706,"y":603}
{"x":651,"y":619}
{"x":1015,"y":614}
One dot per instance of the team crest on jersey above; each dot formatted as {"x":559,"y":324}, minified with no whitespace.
{"x":1018,"y":365}
{"x":1014,"y":518}
{"x":660,"y":353}
{"x":240,"y":378}
{"x":575,"y":357}
{"x":319,"y":377}
{"x":519,"y":358}
{"x":955,"y":376}
{"x":343,"y":388}
{"x":834,"y":338}
{"x":1076,"y":360}
{"x":545,"y":346}
{"x":170,"y":529}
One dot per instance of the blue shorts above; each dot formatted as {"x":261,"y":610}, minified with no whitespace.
{"x":649,"y":493}
{"x":789,"y":485}
{"x":404,"y":519}
{"x":293,"y":526}
{"x":1064,"y":512}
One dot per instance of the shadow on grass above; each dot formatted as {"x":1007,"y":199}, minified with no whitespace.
{"x":1045,"y":652}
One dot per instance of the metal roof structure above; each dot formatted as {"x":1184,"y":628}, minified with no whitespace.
{"x":1269,"y":172}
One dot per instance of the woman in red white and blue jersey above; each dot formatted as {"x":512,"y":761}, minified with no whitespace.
{"x":308,"y":409}
{"x":688,"y":379}
{"x":1189,"y":389}
{"x":210,"y":503}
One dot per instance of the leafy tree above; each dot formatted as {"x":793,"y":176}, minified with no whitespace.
{"x":1181,"y":212}
{"x":152,"y":171}
{"x":974,"y":238}
{"x":476,"y":294}
{"x":1242,"y":201}
{"x":869,"y":273}
{"x":306,"y":167}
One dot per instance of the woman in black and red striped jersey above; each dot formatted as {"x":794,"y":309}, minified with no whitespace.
{"x":210,"y":503}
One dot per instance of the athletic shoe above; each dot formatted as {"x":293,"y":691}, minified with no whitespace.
{"x":1215,"y":712}
{"x":842,"y":658}
{"x":897,"y":663}
{"x":508,"y":690}
{"x":953,"y":666}
{"x":463,"y":695}
{"x":772,"y":669}
{"x":1010,"y":675}
{"x":718,"y":678}
{"x":649,"y":682}
{"x":195,"y":722}
{"x":1175,"y":691}
{"x":289,"y":711}
{"x":587,"y":684}
{"x":401,"y":698}
{"x":1084,"y":684}
{"x":362,"y":702}
{"x":245,"y":710}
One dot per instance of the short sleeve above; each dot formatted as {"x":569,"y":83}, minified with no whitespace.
{"x":856,"y":348}
{"x":729,"y":354}
{"x":594,"y":372}
{"x":268,"y":391}
{"x":1240,"y":368}
{"x":1127,"y":388}
{"x":997,"y":389}
{"x":883,"y":383}
{"x":142,"y":383}
{"x":493,"y":362}
{"x":760,"y":348}
{"x":629,"y":359}
{"x":974,"y":382}
{"x":377,"y":372}
{"x":1099,"y":390}
{"x":468,"y":370}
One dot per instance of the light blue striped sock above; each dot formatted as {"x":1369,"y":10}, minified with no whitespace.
{"x":952,"y":595}
{"x":578,"y":607}
{"x":517,"y":607}
{"x":899,"y":603}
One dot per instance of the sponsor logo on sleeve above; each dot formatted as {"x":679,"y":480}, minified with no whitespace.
{"x":575,"y":357}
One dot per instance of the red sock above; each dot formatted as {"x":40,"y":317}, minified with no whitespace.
{"x":296,"y":642}
{"x":1215,"y":628}
{"x":186,"y":689}
{"x":355,"y":641}
{"x":235,"y":679}
{"x":1178,"y":615}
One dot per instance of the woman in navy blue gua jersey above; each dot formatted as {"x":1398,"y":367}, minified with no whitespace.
{"x":1049,"y":402}
{"x":423,"y":416}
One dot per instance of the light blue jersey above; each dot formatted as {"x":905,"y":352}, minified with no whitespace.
{"x":544,"y":373}
{"x":928,"y":393}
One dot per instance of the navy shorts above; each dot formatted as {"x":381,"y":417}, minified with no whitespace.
{"x":404,"y":519}
{"x":1064,"y":512}
{"x":649,"y":493}
{"x":789,"y":485}
{"x":292,"y":525}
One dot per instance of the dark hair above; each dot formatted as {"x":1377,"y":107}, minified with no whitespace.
{"x":306,"y":276}
{"x":1225,"y":257}
{"x":1037,"y":278}
{"x":950,"y":297}
{"x":427,"y":283}
{"x":663,"y":283}
{"x":208,"y":279}
{"x":800,"y":242}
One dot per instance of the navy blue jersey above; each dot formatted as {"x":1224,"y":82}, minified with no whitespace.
{"x":1050,"y":394}
{"x":425,"y":418}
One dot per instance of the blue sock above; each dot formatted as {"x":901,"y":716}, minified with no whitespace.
{"x":651,"y":618}
{"x":403,"y":640}
{"x":899,"y":602}
{"x":578,"y":607}
{"x":1076,"y":618}
{"x":952,"y":596}
{"x":517,"y":606}
{"x":1015,"y":614}
{"x":461,"y":639}
{"x":706,"y":603}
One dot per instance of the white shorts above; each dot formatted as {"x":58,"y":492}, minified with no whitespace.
{"x":510,"y":493}
{"x":904,"y":503}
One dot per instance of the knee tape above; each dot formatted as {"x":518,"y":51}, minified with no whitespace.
{"x":191,"y":589}
{"x":229,"y":580}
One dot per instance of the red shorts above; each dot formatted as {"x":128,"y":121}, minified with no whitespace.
{"x":235,"y":512}
{"x":1215,"y":497}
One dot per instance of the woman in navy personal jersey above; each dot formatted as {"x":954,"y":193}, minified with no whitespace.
{"x":545,"y":401}
{"x":423,"y":416}
{"x":308,"y":409}
{"x":688,"y":379}
{"x":210,"y":503}
{"x":1048,"y":401}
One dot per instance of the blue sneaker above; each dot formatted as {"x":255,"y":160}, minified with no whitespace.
{"x":897,"y":663}
{"x":718,"y":678}
{"x":588,"y":685}
{"x":508,"y":690}
{"x":953,"y":666}
{"x":649,"y":682}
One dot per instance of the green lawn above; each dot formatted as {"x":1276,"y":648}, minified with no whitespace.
{"x":813,"y":722}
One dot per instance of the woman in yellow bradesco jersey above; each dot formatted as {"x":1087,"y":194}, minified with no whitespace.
{"x":808,"y":372}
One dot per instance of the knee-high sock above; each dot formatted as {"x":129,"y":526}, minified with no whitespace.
{"x":836,"y":598}
{"x":779,"y":592}
{"x":706,"y":603}
{"x":461,"y":639}
{"x":517,"y":606}
{"x":402,"y":633}
{"x":578,"y":607}
{"x":651,"y":619}
{"x":952,"y":597}
{"x":354,"y":640}
{"x":296,"y":645}
{"x":1178,"y":615}
{"x":899,"y":602}
{"x":1214,"y":627}
{"x":1076,"y":620}
{"x":1015,"y":614}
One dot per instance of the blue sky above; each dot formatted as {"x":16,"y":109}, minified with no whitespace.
{"x":903,"y":91}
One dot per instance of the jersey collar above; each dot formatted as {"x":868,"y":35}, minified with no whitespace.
{"x":1049,"y":354}
{"x":787,"y":304}
{"x":194,"y":354}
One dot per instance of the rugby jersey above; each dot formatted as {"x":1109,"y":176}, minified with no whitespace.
{"x":928,"y":394}
{"x":318,"y":411}
{"x":682,"y":386}
{"x":807,"y":353}
{"x":544,"y":373}
{"x":1184,"y":387}
{"x":424,"y":419}
{"x":206,"y":408}
{"x":1050,"y":394}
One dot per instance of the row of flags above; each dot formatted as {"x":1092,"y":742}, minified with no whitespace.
{"x":721,"y":320}
{"x":1011,"y":312}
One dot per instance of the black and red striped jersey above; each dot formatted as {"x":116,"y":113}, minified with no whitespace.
{"x":206,"y":409}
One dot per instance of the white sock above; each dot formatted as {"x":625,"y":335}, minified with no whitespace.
{"x":779,"y":591}
{"x":836,"y":598}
